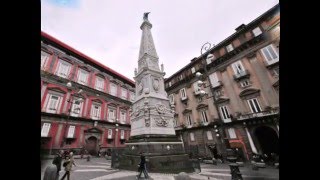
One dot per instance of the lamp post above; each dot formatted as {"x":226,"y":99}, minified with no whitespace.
{"x":204,"y":50}
{"x":70,"y":100}
{"x":116,"y":138}
{"x":234,"y":167}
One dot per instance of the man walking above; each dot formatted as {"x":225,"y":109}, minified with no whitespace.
{"x":57,"y":161}
{"x":68,"y":166}
{"x":142,"y":166}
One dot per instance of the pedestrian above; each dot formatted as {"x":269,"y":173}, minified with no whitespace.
{"x":142,"y":166}
{"x":57,"y":161}
{"x":68,"y":166}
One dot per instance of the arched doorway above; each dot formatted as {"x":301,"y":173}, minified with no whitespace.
{"x":92,"y":145}
{"x":268,"y":140}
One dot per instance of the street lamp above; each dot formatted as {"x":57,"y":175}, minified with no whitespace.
{"x":70,"y":100}
{"x":205,"y":50}
{"x":234,"y":167}
{"x":116,"y":138}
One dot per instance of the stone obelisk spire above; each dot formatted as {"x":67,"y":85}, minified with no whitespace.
{"x":152,"y":131}
{"x":151,"y":112}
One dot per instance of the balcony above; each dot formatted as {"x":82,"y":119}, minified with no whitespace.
{"x":216,"y":84}
{"x":272,"y":63}
{"x":184,"y":99}
{"x":260,"y":114}
{"x":241,"y":75}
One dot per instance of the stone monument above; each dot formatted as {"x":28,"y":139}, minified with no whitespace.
{"x":152,"y":129}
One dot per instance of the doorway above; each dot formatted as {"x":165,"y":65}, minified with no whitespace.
{"x":92,"y":145}
{"x":268,"y":140}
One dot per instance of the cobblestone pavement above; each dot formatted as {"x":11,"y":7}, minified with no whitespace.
{"x":100,"y":169}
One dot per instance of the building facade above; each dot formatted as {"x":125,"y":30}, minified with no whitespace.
{"x":84,"y":104}
{"x":241,"y":108}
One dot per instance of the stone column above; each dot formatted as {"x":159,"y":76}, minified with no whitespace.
{"x":253,"y":147}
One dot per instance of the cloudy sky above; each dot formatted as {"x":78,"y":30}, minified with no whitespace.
{"x":109,"y":30}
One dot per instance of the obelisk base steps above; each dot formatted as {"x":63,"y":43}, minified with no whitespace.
{"x":164,"y":154}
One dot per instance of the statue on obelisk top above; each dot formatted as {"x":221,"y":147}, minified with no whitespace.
{"x":145,"y":16}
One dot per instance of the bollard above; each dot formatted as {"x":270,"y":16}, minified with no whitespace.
{"x":88,"y":158}
{"x":50,"y":173}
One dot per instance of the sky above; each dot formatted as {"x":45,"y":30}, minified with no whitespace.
{"x":109,"y":30}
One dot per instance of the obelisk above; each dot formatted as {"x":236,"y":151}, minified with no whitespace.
{"x":152,"y":130}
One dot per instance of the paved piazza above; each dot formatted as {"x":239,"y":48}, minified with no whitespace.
{"x":100,"y":169}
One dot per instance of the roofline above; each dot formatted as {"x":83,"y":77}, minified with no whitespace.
{"x":67,"y":47}
{"x":227,"y":39}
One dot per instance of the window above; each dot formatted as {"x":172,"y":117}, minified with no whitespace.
{"x":63,"y":69}
{"x":171,"y":98}
{"x":209,"y":135}
{"x":237,"y":67}
{"x":123,"y":93}
{"x":254,"y":105}
{"x":76,"y":108}
{"x":191,"y":136}
{"x":111,"y":114}
{"x":71,"y":132}
{"x":232,"y":133}
{"x":189,"y":121}
{"x":44,"y":59}
{"x":214,"y":79}
{"x":210,"y":58}
{"x":196,"y":88}
{"x":257,"y":31}
{"x":132,"y":96}
{"x":54,"y":103}
{"x":180,"y":77}
{"x":225,"y":114}
{"x":95,"y":111}
{"x":122,"y":134}
{"x":183,"y":93}
{"x":45,"y":129}
{"x":193,"y":70}
{"x":217,"y":93}
{"x":204,"y":117}
{"x":109,"y":133}
{"x":229,"y":48}
{"x":83,"y":76}
{"x":170,"y":84}
{"x":270,"y":54}
{"x":244,"y":83}
{"x":113,"y":89}
{"x":99,"y":83}
{"x":123,"y":116}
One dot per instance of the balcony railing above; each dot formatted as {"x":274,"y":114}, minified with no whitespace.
{"x":216,"y":84}
{"x":240,"y":75}
{"x":260,"y":114}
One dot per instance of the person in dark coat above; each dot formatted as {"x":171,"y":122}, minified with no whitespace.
{"x":142,"y":166}
{"x":57,"y":161}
